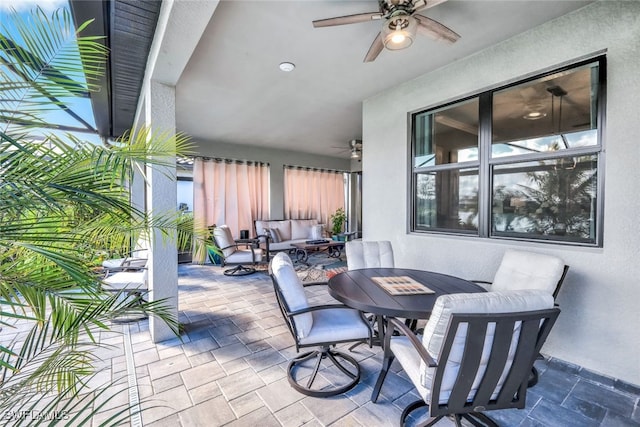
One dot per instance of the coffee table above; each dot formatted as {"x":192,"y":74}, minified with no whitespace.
{"x":333,"y":249}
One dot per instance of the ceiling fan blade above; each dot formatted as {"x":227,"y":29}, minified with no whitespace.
{"x":419,"y":5}
{"x":375,"y":49}
{"x":436,"y":30}
{"x":348,"y":19}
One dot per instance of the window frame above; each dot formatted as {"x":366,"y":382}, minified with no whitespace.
{"x":486,"y":163}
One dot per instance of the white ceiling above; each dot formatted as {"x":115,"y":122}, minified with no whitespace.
{"x":232,"y":90}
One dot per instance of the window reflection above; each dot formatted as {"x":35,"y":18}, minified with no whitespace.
{"x":553,"y":199}
{"x":555,"y":112}
{"x":447,"y":200}
{"x":447,"y":136}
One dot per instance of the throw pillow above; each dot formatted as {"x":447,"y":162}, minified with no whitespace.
{"x":275,"y":235}
{"x":316,"y":232}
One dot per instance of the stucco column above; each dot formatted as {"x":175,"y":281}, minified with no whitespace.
{"x":162,"y":201}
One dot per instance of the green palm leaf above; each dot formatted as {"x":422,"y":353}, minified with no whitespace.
{"x":64,"y":203}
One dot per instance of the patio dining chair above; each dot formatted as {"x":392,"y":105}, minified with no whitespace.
{"x":475,"y":356}
{"x":369,"y":254}
{"x":321,"y":326}
{"x":528,"y":270}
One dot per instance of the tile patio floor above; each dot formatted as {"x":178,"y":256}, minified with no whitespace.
{"x":229,"y":369}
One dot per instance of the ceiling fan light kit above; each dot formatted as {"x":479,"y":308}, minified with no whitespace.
{"x":401,"y":24}
{"x":399,"y":32}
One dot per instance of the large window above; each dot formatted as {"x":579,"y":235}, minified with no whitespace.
{"x":519,"y":162}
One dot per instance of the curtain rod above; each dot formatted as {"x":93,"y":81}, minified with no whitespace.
{"x":307,"y":168}
{"x":221,"y":160}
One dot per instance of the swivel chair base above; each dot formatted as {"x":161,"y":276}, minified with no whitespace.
{"x":475,"y":418}
{"x":239,"y":270}
{"x":320,"y":355}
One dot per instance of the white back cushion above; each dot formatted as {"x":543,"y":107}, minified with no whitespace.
{"x":282,"y":270}
{"x":362,"y":254}
{"x":528,"y":270}
{"x":484,"y":302}
{"x":316,"y":232}
{"x":301,"y":228}
{"x":223,"y":237}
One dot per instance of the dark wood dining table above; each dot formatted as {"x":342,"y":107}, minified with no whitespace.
{"x":357,"y":289}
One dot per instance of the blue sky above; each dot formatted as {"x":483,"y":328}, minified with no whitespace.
{"x":81,"y":106}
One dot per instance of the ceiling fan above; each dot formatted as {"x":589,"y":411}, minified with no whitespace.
{"x":355,"y":147}
{"x":401,"y":23}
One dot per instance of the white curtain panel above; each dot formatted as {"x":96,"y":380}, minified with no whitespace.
{"x":231,"y":193}
{"x":312,"y":193}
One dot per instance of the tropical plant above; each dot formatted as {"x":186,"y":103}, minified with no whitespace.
{"x":338,"y":219}
{"x":63,"y":204}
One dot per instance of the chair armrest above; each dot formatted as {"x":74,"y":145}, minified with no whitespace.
{"x":395,"y":324}
{"x":316,"y":308}
{"x":266,"y":237}
{"x":314,"y":284}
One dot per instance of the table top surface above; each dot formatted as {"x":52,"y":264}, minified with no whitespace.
{"x":356,"y":289}
{"x":330,"y":243}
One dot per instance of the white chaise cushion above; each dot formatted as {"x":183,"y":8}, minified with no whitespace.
{"x":489,"y":302}
{"x":127,"y":280}
{"x":363,"y":254}
{"x":528,"y":270}
{"x":292,"y":290}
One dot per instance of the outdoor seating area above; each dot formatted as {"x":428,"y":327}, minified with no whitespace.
{"x":419,"y":237}
{"x":231,"y":368}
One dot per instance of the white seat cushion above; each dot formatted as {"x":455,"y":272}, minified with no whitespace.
{"x":489,"y":302}
{"x":244,"y":256}
{"x":289,"y":283}
{"x":528,"y":270}
{"x":336,"y":324}
{"x":409,"y":359}
{"x":362,"y":254}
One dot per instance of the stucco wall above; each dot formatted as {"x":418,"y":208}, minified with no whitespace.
{"x":276,"y":159}
{"x":600,"y":321}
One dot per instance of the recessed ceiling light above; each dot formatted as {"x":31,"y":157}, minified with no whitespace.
{"x":287,"y":67}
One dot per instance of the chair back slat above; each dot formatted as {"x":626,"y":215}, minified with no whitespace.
{"x":502,"y":343}
{"x":477,"y":386}
{"x":470,"y":362}
{"x":522,"y":362}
